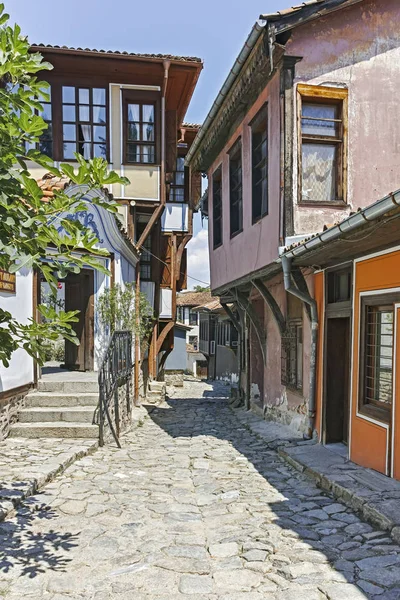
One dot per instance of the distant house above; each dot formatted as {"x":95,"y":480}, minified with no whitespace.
{"x":219,"y":342}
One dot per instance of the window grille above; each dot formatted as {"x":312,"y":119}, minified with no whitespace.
{"x":292,"y":357}
{"x":378,"y":386}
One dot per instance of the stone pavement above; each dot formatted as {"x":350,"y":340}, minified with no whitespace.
{"x":375,"y":496}
{"x":193,"y":506}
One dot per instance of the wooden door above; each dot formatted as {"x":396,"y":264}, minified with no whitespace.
{"x":79,"y":295}
{"x":337,"y":380}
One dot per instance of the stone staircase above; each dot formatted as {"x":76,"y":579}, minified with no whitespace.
{"x":156,"y":391}
{"x":59,"y":409}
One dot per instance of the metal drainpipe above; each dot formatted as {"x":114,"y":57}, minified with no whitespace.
{"x":307,"y":299}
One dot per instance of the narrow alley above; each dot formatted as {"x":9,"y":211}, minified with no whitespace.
{"x":192,"y":506}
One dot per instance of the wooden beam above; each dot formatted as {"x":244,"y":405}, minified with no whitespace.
{"x":271,"y":302}
{"x":253,"y":316}
{"x":163,"y":335}
{"x":156,"y":214}
{"x":232,"y":317}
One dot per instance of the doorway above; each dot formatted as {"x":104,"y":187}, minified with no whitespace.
{"x":337,"y":380}
{"x":79,"y":295}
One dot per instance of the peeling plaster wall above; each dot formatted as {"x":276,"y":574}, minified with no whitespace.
{"x":357,"y":47}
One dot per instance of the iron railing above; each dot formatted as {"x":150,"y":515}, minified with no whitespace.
{"x":115,"y":371}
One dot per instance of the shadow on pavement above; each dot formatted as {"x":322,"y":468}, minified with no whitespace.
{"x":32,"y":552}
{"x":360,"y":554}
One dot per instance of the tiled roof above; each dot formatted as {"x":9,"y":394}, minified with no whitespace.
{"x":193,"y":298}
{"x":191,"y":125}
{"x":289,"y":11}
{"x":214,"y":304}
{"x":296,"y":15}
{"x":120,"y":53}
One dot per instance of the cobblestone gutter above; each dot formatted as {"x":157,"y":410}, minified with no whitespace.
{"x":373,"y":495}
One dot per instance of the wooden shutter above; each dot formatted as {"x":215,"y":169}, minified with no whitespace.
{"x":165,"y":245}
{"x":182,"y":281}
{"x":171,"y":141}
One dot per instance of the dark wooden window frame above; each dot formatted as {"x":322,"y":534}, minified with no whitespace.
{"x":217,"y":218}
{"x":89,"y":86}
{"x":236,"y":194}
{"x":324,"y":95}
{"x":179,"y":186}
{"x":259,"y":124}
{"x":141,"y":97}
{"x":380,"y":413}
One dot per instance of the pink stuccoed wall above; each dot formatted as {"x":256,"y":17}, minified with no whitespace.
{"x":257,"y":245}
{"x":359,"y":48}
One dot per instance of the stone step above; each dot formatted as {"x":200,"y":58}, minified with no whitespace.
{"x":56,"y":399}
{"x":68,"y":387}
{"x":154,"y":397}
{"x":157,"y":386}
{"x":76,"y":414}
{"x":58,"y":429}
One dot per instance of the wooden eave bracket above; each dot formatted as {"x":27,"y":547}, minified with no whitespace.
{"x":271,"y":302}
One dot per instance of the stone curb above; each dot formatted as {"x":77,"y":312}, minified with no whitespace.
{"x":354,"y":501}
{"x":12,"y":494}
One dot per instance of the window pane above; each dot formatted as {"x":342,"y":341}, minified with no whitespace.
{"x":46,"y":112}
{"x":133,"y":153}
{"x":84,"y":113}
{"x":314,"y":126}
{"x":99,"y":134}
{"x":179,"y":178}
{"x":84,"y":96}
{"x":148,"y":113}
{"x":68,"y":94}
{"x":133,"y":131}
{"x":69,"y":149}
{"x":100,"y":150}
{"x":46,"y":147}
{"x":180,"y":163}
{"x":133,"y":112}
{"x":148,"y":133}
{"x":85,"y":133}
{"x":68,"y":113}
{"x":319,"y":172}
{"x":69,"y":132}
{"x":99,"y":114}
{"x":99,"y":96}
{"x":148,"y":154}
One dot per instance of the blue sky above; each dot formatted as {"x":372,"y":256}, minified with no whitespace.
{"x":214,"y":30}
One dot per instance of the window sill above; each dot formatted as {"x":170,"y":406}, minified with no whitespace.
{"x":259,"y":219}
{"x":294,"y":390}
{"x":217,"y":246}
{"x":139,"y":164}
{"x":374,"y":412}
{"x":236,"y":233}
{"x":327,"y":203}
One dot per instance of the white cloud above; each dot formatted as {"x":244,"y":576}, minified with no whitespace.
{"x":198,"y":259}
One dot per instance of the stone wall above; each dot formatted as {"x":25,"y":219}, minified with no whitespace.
{"x":174,"y":378}
{"x":9,"y":409}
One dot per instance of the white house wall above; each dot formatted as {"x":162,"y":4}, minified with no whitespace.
{"x":175,"y":217}
{"x":165,"y":303}
{"x":20,"y":305}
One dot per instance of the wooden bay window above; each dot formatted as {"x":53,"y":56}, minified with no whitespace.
{"x":322,"y":152}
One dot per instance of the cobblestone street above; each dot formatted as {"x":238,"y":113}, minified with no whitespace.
{"x":193,"y":506}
